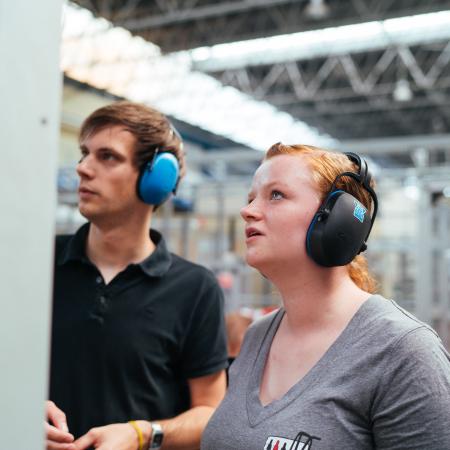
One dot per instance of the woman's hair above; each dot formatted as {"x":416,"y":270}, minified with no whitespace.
{"x":326,"y":166}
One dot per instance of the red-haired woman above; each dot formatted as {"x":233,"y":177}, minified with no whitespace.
{"x":336,"y":367}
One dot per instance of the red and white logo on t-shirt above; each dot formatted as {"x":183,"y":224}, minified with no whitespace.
{"x":303,"y":441}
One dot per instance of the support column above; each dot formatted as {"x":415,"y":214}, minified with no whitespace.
{"x":30,"y":91}
{"x":424,"y":260}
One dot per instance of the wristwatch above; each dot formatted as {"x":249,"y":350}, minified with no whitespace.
{"x":157,"y":436}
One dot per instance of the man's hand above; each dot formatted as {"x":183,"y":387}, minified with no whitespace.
{"x":57,"y":434}
{"x":118,"y":436}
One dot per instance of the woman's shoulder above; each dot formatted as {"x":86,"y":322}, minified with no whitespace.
{"x":411,"y":395}
{"x":422,"y":347}
{"x":387,"y":319}
{"x":263,"y":323}
{"x":396,"y":334}
{"x":259,"y":329}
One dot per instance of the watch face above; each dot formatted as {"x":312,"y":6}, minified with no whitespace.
{"x":157,"y":440}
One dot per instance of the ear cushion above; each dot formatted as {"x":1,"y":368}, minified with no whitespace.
{"x":158,"y":179}
{"x":338,"y":230}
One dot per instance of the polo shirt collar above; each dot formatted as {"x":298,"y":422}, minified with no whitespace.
{"x":159,"y":262}
{"x":75,"y":249}
{"x":155,"y":265}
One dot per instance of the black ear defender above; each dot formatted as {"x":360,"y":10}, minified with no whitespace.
{"x":160,"y":176}
{"x":341,"y":226}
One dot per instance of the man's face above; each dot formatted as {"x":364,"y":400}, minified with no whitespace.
{"x":107,"y":175}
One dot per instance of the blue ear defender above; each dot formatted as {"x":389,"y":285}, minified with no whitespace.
{"x":341,"y":226}
{"x":158,"y":178}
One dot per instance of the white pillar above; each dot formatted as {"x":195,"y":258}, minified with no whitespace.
{"x":424,"y":255}
{"x":30,"y":90}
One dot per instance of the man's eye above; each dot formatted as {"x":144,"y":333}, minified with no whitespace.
{"x":83,"y":155}
{"x":276,"y":195}
{"x":107,"y":157}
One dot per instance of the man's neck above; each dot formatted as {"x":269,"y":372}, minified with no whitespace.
{"x":113,"y":248}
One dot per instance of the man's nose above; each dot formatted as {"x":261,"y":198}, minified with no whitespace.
{"x":85,"y":166}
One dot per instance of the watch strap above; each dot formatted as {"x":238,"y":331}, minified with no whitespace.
{"x":157,"y":436}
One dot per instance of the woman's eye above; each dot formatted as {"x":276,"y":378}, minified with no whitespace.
{"x":276,"y":195}
{"x":83,"y":155}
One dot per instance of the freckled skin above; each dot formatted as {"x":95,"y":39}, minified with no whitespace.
{"x":282,"y":203}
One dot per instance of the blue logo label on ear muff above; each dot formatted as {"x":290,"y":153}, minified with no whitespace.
{"x":359,"y":212}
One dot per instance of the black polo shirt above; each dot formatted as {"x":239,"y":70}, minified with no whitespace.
{"x":125,"y":350}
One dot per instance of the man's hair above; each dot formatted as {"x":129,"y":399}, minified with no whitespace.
{"x":326,"y":166}
{"x":151,"y":129}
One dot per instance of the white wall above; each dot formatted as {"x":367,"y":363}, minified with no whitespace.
{"x":30,"y":85}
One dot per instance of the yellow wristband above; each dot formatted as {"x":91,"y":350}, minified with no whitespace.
{"x":139,"y":433}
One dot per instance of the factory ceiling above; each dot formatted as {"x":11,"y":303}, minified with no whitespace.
{"x":390,"y":82}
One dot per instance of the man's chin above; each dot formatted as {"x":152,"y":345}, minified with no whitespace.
{"x":87,"y":214}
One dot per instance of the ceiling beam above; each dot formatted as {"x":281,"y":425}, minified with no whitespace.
{"x":199,"y":13}
{"x":361,"y":38}
{"x":404,"y":144}
{"x":327,"y":109}
{"x":372,"y":146}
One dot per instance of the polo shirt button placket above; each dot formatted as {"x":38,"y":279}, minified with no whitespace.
{"x":101,"y":301}
{"x":100,"y":309}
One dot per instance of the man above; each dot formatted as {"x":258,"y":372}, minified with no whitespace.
{"x":138,"y":347}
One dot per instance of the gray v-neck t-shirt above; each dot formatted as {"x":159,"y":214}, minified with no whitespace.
{"x":383,"y":384}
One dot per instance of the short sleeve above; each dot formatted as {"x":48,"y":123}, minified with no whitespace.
{"x":205,"y":350}
{"x":411,"y":409}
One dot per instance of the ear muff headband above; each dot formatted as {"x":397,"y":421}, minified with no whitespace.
{"x":364,"y":175}
{"x":364,"y":181}
{"x":340,"y":228}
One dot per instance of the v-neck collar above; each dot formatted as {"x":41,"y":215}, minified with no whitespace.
{"x":255,"y":410}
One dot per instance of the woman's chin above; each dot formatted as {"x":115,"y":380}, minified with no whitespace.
{"x":255,"y":261}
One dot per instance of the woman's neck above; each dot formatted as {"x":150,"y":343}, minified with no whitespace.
{"x":325,"y":297}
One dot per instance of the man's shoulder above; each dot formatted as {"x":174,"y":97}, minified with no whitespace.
{"x":61,"y":242}
{"x":62,"y":239}
{"x":192,"y":272}
{"x":192,"y":269}
{"x":70,"y":246}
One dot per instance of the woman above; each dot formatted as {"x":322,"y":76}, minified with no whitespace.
{"x":336,"y":367}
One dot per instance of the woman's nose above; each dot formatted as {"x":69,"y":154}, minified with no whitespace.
{"x":250,"y":212}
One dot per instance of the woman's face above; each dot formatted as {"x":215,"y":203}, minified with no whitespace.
{"x":281,"y":204}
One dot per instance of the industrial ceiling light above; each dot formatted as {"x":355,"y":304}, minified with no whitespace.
{"x":446,"y":192}
{"x":130,"y":67}
{"x":317,"y":9}
{"x":402,"y":91}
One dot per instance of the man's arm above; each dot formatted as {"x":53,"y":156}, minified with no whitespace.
{"x":183,"y":432}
